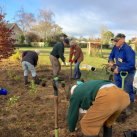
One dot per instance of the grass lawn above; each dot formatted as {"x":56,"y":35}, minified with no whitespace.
{"x":93,"y":61}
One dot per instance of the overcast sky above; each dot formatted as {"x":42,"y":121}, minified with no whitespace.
{"x":84,"y":17}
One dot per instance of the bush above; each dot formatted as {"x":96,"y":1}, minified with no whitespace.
{"x":21,"y":39}
{"x":105,"y":46}
{"x":27,"y":45}
{"x":23,"y":45}
{"x":83,"y":45}
{"x":128,"y":43}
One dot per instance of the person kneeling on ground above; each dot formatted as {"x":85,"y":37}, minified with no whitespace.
{"x":103,"y":101}
{"x":29,"y":60}
{"x":78,"y":58}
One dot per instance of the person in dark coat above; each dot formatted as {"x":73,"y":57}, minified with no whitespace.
{"x":56,"y":53}
{"x":29,"y":61}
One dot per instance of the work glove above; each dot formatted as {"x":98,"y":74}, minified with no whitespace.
{"x":70,"y":60}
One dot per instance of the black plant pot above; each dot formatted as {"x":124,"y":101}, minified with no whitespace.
{"x":63,"y":85}
{"x":82,"y":80}
{"x":43,"y":84}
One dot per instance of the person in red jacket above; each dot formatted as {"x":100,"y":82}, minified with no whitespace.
{"x":78,"y":58}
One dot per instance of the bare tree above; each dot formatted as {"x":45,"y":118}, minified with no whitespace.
{"x":25,"y":20}
{"x":91,"y":37}
{"x":45,"y":26}
{"x":103,"y":30}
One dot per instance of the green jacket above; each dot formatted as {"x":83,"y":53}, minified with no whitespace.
{"x":82,"y":97}
{"x":58,"y":51}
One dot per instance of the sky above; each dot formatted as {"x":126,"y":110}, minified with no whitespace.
{"x":83,"y":17}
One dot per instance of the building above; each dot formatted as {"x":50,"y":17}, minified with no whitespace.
{"x":16,"y":30}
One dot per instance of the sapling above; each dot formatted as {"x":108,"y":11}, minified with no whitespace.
{"x":10,"y":73}
{"x":44,"y":82}
{"x":12,"y":101}
{"x":33,"y":87}
{"x":46,"y":67}
{"x":17,"y":77}
{"x":63,"y":83}
{"x":82,"y":80}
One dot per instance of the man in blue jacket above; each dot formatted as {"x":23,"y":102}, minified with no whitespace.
{"x":125,"y":61}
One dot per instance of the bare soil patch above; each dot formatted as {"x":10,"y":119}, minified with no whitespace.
{"x":34,"y":116}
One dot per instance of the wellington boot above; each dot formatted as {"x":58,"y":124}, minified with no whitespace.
{"x":129,"y":109}
{"x":36,"y":80}
{"x":107,"y":132}
{"x":26,"y":80}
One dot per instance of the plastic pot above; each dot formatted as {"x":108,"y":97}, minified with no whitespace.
{"x":63,"y":85}
{"x":43,"y":84}
{"x":82,"y":80}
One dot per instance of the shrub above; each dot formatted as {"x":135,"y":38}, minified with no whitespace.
{"x":83,"y":45}
{"x":16,"y":56}
{"x":6,"y":42}
{"x":105,"y":46}
{"x":23,"y":45}
{"x":21,"y":39}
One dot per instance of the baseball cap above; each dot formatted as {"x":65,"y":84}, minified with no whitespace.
{"x":66,"y":41}
{"x":119,"y":36}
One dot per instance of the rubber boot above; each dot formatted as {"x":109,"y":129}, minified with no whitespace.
{"x":107,"y":132}
{"x":75,"y":74}
{"x":36,"y":81}
{"x":79,"y":75}
{"x":26,"y":80}
{"x":129,"y":109}
{"x":91,"y":136}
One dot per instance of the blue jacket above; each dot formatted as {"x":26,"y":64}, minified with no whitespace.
{"x":125,"y":58}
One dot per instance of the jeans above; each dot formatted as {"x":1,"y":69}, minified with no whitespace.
{"x":27,"y":65}
{"x":77,"y":67}
{"x":128,"y":84}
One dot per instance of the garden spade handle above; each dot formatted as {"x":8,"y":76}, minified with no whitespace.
{"x":71,"y":70}
{"x":55,"y":86}
{"x":66,"y":69}
{"x":123,"y":77}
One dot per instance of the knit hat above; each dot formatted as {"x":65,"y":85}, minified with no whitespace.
{"x":66,"y":41}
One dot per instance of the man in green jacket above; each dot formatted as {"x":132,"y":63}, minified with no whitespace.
{"x":56,"y":53}
{"x":103,"y":101}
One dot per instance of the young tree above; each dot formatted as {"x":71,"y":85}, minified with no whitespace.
{"x":108,"y":36}
{"x":6,"y":42}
